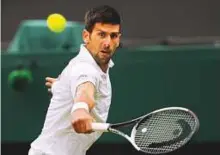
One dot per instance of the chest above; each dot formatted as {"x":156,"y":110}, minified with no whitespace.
{"x":104,"y":90}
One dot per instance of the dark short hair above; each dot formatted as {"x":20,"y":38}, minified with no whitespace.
{"x":101,"y":14}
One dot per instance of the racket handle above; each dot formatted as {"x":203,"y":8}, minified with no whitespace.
{"x":100,"y":127}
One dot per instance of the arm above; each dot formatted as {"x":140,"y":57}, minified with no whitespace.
{"x":81,"y":118}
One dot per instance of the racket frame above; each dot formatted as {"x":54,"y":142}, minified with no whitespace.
{"x":107,"y":127}
{"x":133,"y":132}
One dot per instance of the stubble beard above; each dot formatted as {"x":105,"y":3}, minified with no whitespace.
{"x":101,"y":61}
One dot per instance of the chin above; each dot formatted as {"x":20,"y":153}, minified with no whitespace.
{"x":104,"y":62}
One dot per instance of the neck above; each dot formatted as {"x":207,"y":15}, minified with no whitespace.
{"x":104,"y":68}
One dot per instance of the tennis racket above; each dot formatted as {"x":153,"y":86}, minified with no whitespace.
{"x":158,"y":132}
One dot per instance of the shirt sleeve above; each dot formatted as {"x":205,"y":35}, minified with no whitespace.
{"x":83,"y":73}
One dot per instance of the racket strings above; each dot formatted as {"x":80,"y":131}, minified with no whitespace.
{"x":163,"y":132}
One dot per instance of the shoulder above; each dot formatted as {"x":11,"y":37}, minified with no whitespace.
{"x":82,"y":72}
{"x":86,"y":67}
{"x":82,"y":69}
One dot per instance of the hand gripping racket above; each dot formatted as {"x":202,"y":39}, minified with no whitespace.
{"x":158,"y":132}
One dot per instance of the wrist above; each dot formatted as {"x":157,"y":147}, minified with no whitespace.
{"x":80,"y":105}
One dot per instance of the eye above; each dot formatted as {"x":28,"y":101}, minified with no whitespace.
{"x":102,"y":34}
{"x":114,"y":35}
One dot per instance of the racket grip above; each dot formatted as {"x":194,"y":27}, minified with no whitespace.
{"x":100,"y":127}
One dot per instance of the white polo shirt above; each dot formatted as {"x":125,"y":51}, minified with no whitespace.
{"x":57,"y":136}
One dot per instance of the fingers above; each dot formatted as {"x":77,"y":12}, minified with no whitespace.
{"x":49,"y":82}
{"x":82,"y":121}
{"x":89,"y":127}
{"x":48,"y":85}
{"x":82,"y":126}
{"x":50,"y":79}
{"x":49,"y":90}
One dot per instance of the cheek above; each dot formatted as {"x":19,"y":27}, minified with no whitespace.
{"x":116,"y":42}
{"x":115,"y":45}
{"x":97,"y":43}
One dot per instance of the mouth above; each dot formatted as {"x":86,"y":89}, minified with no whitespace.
{"x":107,"y":52}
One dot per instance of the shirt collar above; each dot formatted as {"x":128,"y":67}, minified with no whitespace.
{"x":85,"y":53}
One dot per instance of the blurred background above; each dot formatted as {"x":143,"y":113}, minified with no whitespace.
{"x":169,"y":56}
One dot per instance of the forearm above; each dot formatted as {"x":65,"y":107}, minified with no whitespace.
{"x":83,"y":102}
{"x":85,"y":94}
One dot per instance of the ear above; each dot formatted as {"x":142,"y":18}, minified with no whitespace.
{"x":117,"y":45}
{"x":85,"y":36}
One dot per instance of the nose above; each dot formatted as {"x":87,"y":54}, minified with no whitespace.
{"x":106,"y":42}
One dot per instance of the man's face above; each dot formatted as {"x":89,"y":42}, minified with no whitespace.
{"x":102,"y":41}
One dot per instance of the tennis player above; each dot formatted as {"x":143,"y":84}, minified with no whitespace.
{"x":82,"y":93}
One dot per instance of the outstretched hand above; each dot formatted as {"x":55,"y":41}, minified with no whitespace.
{"x":49,"y":82}
{"x":81,"y":121}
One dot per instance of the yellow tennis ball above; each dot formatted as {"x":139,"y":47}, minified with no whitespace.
{"x":56,"y":22}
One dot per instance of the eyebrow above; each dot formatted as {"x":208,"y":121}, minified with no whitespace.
{"x":107,"y":32}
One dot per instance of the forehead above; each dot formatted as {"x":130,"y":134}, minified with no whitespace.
{"x":110,"y":28}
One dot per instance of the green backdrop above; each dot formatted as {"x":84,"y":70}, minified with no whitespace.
{"x":143,"y":79}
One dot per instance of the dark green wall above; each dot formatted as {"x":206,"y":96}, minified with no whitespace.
{"x":143,"y":80}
